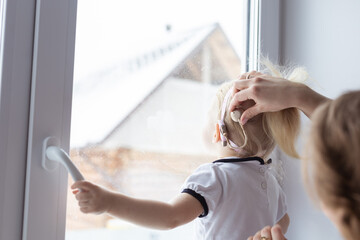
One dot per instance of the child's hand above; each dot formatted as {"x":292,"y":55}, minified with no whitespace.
{"x":91,"y":198}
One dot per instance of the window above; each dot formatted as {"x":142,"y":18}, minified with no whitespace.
{"x":36,"y":93}
{"x":144,"y":81}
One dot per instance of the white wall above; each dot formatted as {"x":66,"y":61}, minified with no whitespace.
{"x":324,"y":36}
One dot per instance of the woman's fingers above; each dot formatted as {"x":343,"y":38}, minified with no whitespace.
{"x":244,"y":89}
{"x":266,"y":232}
{"x":250,"y":113}
{"x":257,"y":236}
{"x":243,"y":96}
{"x":270,"y":94}
{"x":276,"y":232}
{"x":246,"y":80}
{"x":241,"y":85}
{"x":249,"y":75}
{"x":239,"y":97}
{"x":269,"y":233}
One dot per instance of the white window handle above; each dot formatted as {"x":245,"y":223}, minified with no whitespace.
{"x":52,"y":155}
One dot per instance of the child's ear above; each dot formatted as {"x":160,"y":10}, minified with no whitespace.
{"x":216,"y":137}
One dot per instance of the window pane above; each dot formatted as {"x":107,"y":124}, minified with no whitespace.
{"x":145,"y":76}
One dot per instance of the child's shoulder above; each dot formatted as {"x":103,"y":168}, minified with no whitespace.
{"x":221,"y":167}
{"x":205,"y":167}
{"x":217,"y":174}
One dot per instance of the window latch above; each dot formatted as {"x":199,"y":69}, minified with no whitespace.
{"x":53,"y":156}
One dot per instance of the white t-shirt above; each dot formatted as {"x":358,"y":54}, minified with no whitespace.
{"x":239,"y":198}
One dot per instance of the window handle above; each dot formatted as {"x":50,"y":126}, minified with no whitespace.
{"x":53,"y":155}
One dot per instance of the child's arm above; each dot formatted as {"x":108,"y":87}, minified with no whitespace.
{"x":154,"y":214}
{"x":284,"y":223}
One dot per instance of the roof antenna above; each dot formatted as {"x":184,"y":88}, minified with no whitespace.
{"x":168,"y":28}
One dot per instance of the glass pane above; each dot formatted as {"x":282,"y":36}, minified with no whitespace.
{"x":145,"y":76}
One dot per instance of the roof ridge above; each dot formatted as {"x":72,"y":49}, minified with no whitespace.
{"x":166,"y":48}
{"x":138,"y":62}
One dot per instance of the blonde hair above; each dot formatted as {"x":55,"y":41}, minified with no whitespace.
{"x":284,"y":126}
{"x":331,"y":164}
{"x":270,"y":128}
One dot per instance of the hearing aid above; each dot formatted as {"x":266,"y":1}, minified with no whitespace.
{"x":235,"y":115}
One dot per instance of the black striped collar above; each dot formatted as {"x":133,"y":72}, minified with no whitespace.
{"x":248,"y":159}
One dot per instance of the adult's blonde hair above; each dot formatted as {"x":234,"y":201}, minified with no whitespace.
{"x":270,"y":128}
{"x":331,"y":164}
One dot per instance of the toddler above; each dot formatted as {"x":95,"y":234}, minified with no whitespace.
{"x":230,"y":198}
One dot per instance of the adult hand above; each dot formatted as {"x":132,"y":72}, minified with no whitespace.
{"x":272,"y":94}
{"x":91,"y":198}
{"x":269,"y":233}
{"x":269,"y":93}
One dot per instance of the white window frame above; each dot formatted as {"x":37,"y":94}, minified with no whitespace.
{"x":263,"y":32}
{"x":35,"y":103}
{"x":252,"y":35}
{"x":269,"y":30}
{"x":50,"y":115}
{"x":15,"y":72}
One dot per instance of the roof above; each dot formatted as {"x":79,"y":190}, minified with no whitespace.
{"x":107,"y":96}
